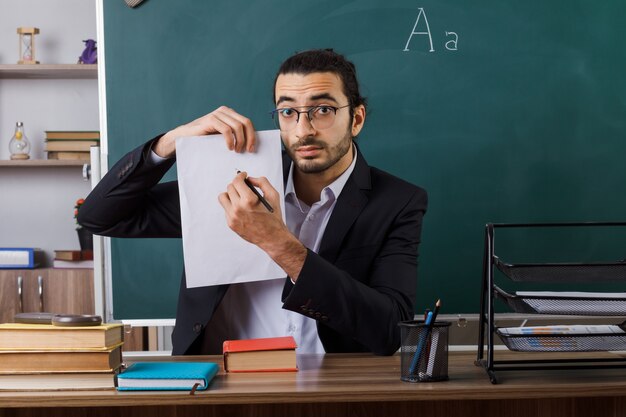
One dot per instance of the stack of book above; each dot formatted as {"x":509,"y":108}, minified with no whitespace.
{"x":88,"y":356}
{"x":70,"y":258}
{"x":71,"y":144}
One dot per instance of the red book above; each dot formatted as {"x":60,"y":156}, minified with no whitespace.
{"x":272,"y":354}
{"x":73,"y":255}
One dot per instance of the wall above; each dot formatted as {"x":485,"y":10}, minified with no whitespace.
{"x":36,"y":204}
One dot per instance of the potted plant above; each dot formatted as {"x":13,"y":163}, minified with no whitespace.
{"x":85,"y":237}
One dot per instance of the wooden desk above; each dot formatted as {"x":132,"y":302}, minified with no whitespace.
{"x":350,"y":384}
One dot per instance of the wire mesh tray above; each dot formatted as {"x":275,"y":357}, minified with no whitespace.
{"x":564,"y":272}
{"x":564,"y":343}
{"x":570,"y":303}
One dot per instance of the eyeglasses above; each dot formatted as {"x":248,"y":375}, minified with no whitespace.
{"x":320,"y":117}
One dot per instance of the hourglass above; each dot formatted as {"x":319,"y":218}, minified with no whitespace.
{"x":27,"y":45}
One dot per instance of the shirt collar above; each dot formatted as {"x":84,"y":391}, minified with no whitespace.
{"x":334,"y":187}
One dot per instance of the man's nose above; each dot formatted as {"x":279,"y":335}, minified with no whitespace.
{"x":304,"y":127}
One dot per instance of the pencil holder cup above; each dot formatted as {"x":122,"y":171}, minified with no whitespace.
{"x":424,"y":351}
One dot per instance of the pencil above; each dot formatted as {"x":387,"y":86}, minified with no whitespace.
{"x":437,"y":307}
{"x":258,"y":194}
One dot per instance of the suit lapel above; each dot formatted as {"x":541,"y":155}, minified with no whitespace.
{"x":349,"y":205}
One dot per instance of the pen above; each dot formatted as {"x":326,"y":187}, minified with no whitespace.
{"x":258,"y":194}
{"x":429,"y":330}
{"x":420,"y":345}
{"x":426,"y":312}
{"x":437,"y":306}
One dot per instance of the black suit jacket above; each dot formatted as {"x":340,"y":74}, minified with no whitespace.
{"x":358,"y":287}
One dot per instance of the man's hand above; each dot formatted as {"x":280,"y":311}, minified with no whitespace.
{"x":247,"y":217}
{"x":237,"y":130}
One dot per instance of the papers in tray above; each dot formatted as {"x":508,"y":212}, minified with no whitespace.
{"x":576,"y":338}
{"x":561,"y":330}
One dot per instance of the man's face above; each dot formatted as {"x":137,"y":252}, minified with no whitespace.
{"x":315,"y":150}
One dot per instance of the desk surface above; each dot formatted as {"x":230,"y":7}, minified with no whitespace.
{"x":346,"y":378}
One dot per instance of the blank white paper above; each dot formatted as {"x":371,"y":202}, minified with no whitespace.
{"x":214,"y":254}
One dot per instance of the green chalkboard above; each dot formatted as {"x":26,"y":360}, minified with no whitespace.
{"x":505,"y":111}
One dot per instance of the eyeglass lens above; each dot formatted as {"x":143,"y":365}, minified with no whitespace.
{"x":320,"y":117}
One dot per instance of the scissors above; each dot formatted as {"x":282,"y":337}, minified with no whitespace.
{"x":66,"y":320}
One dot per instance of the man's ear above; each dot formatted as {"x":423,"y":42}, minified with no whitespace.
{"x":358,"y":119}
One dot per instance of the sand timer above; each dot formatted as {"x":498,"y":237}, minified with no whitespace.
{"x":27,"y":45}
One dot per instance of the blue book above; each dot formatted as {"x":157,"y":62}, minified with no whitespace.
{"x":20,"y":258}
{"x":166,"y":376}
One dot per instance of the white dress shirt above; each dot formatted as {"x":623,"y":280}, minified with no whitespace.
{"x":254,"y":309}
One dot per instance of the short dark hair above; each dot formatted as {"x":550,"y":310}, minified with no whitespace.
{"x":325,"y":60}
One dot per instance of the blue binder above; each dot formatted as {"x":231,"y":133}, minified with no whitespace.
{"x":20,"y":258}
{"x":166,"y":376}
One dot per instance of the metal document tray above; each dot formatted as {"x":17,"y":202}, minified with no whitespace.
{"x":564,"y":272}
{"x":583,"y":304}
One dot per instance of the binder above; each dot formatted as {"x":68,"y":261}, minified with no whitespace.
{"x":20,"y":258}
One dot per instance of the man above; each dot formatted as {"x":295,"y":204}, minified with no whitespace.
{"x":349,"y":245}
